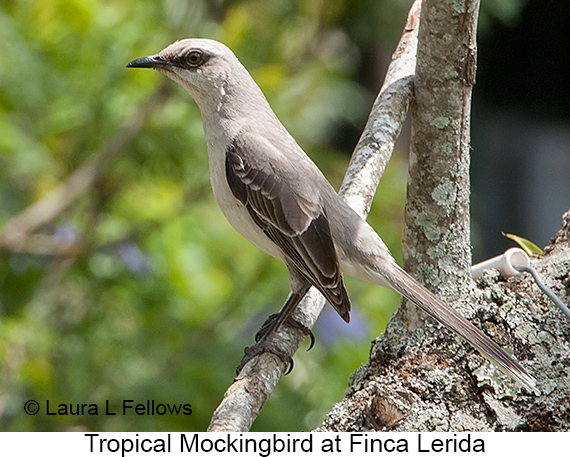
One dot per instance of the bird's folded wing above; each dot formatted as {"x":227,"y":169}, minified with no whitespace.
{"x":291,"y":217}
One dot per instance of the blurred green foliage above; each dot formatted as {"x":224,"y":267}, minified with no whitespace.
{"x":161,"y":296}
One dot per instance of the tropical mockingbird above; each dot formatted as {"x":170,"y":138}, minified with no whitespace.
{"x":275,"y":196}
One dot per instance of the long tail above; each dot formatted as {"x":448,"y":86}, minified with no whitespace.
{"x":407,"y":286}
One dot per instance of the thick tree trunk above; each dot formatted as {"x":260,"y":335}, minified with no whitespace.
{"x":419,"y":384}
{"x":420,"y":377}
{"x":437,"y":245}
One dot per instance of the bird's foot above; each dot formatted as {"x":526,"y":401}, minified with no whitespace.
{"x":266,"y":329}
{"x":263,"y":344}
{"x":259,"y":348}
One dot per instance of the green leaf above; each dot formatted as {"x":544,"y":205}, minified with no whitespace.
{"x":528,"y":246}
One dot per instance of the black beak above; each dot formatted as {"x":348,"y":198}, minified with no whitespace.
{"x":147,"y":62}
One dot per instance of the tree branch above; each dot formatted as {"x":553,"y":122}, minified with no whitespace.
{"x":19,"y":235}
{"x":420,"y":378}
{"x":244,"y":399}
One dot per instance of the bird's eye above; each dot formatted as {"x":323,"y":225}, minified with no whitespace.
{"x":194,"y":58}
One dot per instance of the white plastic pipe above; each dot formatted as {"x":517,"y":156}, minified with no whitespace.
{"x":504,"y":263}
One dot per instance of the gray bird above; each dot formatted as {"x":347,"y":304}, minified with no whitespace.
{"x":274,"y":195}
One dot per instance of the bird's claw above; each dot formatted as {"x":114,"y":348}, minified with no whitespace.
{"x":262,"y":346}
{"x":259,"y":348}
{"x":266,"y":327}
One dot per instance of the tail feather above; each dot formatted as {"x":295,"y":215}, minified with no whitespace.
{"x":407,"y":286}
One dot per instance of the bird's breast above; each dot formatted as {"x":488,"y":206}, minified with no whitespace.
{"x":234,"y":211}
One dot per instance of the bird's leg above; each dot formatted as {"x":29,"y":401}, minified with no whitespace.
{"x":274,"y":321}
{"x":271,"y":326}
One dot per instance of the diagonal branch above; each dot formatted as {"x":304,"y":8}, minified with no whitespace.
{"x":19,"y":232}
{"x":376,"y":144}
{"x":248,"y":393}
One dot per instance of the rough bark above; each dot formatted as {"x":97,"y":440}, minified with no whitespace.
{"x":417,"y":384}
{"x":437,"y":245}
{"x":420,"y":377}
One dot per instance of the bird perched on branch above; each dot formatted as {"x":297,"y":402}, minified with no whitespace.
{"x":275,"y":196}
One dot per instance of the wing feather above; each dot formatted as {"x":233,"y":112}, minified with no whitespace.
{"x":296,"y":223}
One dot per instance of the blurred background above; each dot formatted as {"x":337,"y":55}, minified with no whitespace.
{"x":137,"y":288}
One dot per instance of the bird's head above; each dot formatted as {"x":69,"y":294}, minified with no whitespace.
{"x":203,"y":67}
{"x":215,"y":78}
